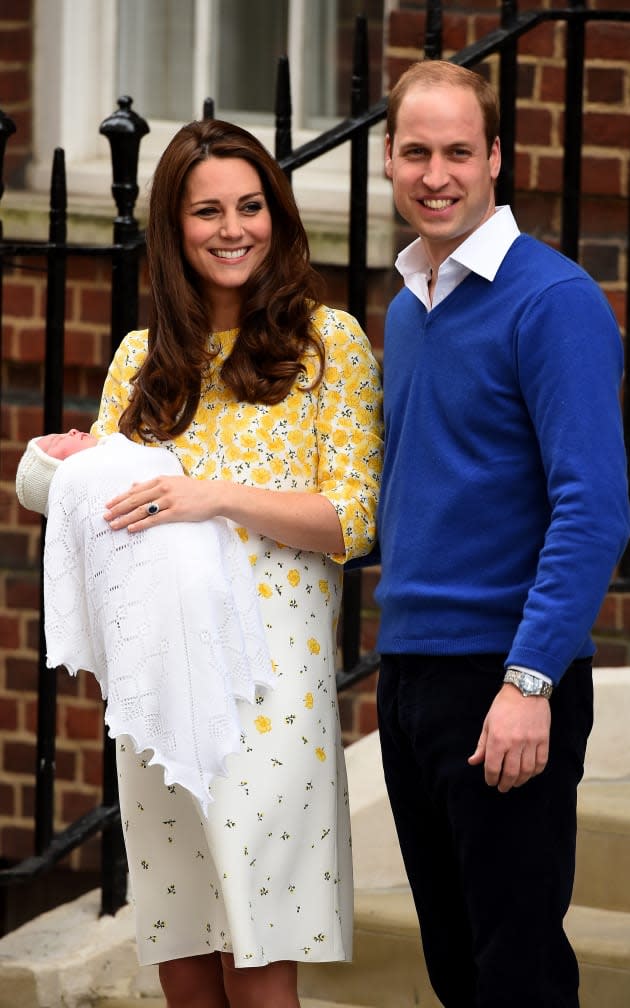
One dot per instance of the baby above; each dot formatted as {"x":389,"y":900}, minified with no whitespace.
{"x":167,"y":619}
{"x":39,"y":463}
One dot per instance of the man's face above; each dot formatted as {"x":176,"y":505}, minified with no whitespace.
{"x":443,"y":177}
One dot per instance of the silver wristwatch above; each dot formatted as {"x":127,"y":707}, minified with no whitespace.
{"x":528,"y":683}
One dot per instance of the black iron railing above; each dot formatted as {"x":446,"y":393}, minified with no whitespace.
{"x":124,"y":130}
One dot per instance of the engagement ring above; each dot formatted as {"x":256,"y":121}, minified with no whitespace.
{"x":153,"y":508}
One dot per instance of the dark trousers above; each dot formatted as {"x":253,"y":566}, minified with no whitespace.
{"x":491,"y":874}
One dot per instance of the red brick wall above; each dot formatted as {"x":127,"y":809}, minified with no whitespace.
{"x":16,"y":53}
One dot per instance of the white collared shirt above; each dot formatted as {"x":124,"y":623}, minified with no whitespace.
{"x":482,"y":253}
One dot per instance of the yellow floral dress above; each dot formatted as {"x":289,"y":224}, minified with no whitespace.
{"x":268,"y":875}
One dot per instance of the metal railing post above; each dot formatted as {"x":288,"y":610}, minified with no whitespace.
{"x":573,"y":106}
{"x":7,"y":128}
{"x":359,"y":103}
{"x":53,"y":421}
{"x":357,"y":294}
{"x":624,"y":564}
{"x":433,"y":30}
{"x":124,"y":129}
{"x":284,"y":112}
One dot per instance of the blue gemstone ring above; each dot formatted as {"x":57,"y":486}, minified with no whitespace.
{"x":153,"y":508}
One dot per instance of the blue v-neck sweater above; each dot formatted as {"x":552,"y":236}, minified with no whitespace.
{"x":504,"y":502}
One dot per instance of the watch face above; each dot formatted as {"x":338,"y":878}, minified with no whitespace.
{"x":529,"y":684}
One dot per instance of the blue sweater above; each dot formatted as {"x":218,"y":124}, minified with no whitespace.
{"x":504,"y":502}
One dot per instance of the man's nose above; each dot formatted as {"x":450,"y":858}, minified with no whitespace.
{"x":435,"y":174}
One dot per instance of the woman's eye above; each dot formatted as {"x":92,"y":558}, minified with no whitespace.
{"x":253,"y":207}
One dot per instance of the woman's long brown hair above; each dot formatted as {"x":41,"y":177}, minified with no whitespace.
{"x":278,"y":299}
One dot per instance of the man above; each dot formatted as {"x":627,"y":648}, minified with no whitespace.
{"x":503,"y":511}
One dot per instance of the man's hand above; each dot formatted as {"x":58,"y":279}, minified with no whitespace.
{"x":514,"y":740}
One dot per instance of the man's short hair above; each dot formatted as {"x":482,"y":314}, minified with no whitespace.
{"x":441,"y":73}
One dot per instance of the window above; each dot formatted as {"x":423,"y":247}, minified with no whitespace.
{"x":169,"y":55}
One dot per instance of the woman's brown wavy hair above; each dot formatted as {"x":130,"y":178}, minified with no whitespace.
{"x":278,"y":299}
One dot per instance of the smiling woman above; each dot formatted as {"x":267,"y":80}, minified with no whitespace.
{"x":226,"y":232}
{"x":271,"y":402}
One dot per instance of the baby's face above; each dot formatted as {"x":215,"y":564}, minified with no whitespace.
{"x":60,"y":446}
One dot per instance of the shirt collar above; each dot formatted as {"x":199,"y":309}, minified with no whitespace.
{"x":482,"y":252}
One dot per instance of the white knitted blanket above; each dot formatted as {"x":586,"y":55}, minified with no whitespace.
{"x":166,"y":619}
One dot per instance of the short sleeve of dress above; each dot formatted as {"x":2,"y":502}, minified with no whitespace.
{"x":118,"y":385}
{"x":349,"y":429}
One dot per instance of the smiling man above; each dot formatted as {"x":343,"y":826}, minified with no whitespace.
{"x":503,"y":511}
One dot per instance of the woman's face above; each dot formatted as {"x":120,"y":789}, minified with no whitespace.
{"x":225,"y":222}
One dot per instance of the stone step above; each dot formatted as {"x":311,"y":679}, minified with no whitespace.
{"x":316,"y":1003}
{"x":142,"y":1002}
{"x":388,"y":967}
{"x":601,"y":939}
{"x":128,"y":1002}
{"x":602,"y":878}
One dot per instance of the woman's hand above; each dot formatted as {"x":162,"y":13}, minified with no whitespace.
{"x":164,"y":499}
{"x":299,"y":519}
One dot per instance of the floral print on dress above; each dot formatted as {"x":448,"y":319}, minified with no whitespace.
{"x":268,"y":875}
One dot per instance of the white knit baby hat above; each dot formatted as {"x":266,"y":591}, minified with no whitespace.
{"x":32,"y":479}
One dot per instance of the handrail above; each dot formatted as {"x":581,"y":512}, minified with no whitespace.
{"x":61,"y":844}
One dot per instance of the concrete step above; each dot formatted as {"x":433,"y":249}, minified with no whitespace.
{"x":161,"y":1003}
{"x":601,"y":939}
{"x":126,"y":1002}
{"x":602,"y":877}
{"x":310,"y":1003}
{"x":388,"y":967}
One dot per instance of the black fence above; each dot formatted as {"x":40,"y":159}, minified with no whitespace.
{"x":124,"y":131}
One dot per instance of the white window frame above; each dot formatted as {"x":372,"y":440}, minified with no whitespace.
{"x":74,"y":73}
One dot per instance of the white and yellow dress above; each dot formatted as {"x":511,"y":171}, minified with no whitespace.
{"x":268,"y":874}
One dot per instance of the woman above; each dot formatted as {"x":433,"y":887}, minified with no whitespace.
{"x":271,"y":402}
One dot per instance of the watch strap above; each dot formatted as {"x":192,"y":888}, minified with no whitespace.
{"x":524,"y":681}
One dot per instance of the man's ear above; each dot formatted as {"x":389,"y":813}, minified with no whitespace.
{"x":388,"y":156}
{"x":495,"y":159}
